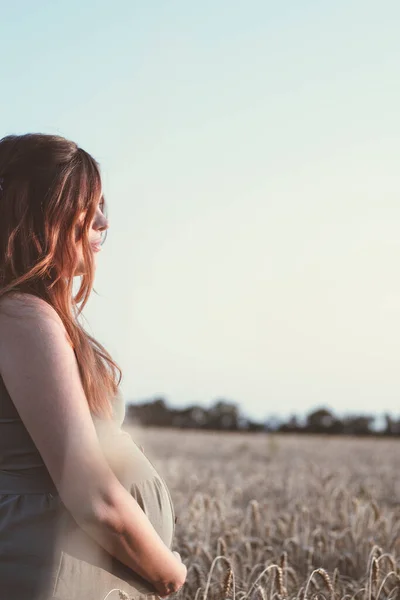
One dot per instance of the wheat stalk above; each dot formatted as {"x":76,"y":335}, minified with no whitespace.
{"x":279,"y":583}
{"x":326,"y":579}
{"x":390,"y":574}
{"x":227,"y":583}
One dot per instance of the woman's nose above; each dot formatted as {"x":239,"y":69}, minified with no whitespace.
{"x":102,"y":223}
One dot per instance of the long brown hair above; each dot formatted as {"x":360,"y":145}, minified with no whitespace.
{"x":46,"y":183}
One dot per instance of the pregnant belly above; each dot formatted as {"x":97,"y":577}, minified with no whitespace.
{"x":153,"y":498}
{"x":82,"y":560}
{"x":139,"y":476}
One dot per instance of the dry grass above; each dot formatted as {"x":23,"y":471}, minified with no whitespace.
{"x":277,"y":517}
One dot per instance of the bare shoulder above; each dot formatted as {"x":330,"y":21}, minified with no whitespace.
{"x":22,"y":313}
{"x":21,"y":304}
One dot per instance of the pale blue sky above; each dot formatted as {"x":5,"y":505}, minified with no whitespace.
{"x":250,"y":154}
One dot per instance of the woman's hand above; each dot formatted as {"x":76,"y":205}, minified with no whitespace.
{"x":164,"y":590}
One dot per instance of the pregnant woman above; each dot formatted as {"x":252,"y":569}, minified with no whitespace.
{"x":84,"y":515}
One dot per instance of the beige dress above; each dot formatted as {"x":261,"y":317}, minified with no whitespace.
{"x":44,"y":554}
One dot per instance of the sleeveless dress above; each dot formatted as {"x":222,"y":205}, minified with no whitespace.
{"x":44,"y":554}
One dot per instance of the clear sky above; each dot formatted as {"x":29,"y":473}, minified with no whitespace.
{"x":250,"y":155}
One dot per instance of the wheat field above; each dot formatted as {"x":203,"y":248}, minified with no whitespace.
{"x":263,"y":516}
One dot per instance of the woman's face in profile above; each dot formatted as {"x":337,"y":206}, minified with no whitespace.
{"x":98,"y":225}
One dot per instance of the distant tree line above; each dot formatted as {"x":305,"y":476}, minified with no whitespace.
{"x":226,"y":416}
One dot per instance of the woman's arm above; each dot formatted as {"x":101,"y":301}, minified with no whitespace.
{"x":41,"y":374}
